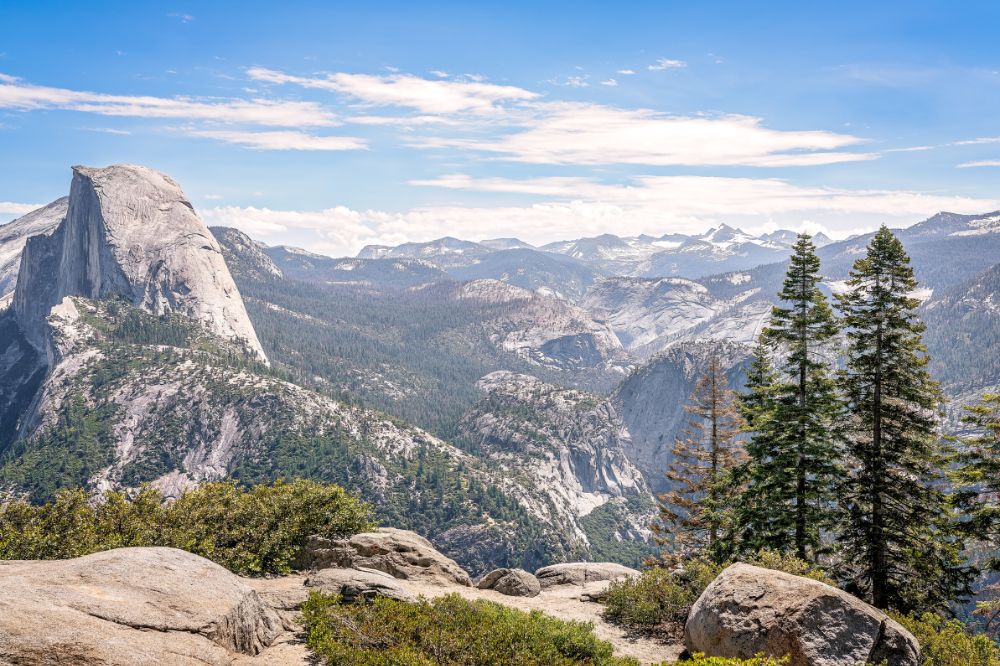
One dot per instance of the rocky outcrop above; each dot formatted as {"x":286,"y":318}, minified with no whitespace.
{"x":129,"y":232}
{"x":358,"y":584}
{"x":129,"y":606}
{"x":749,"y":610}
{"x":651,"y":402}
{"x":570,"y":444}
{"x":14,"y":235}
{"x":399,"y":553}
{"x":581,"y":573}
{"x":512,"y":582}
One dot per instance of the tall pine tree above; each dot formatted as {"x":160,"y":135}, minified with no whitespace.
{"x":897,"y":542}
{"x":693,"y":513}
{"x":790,"y":498}
{"x":978,"y":474}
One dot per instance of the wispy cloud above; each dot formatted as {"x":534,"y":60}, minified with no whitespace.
{"x":12,"y":208}
{"x":979,"y":163}
{"x":20,"y":96}
{"x":662,"y":64}
{"x":403,"y":90}
{"x":979,"y":142}
{"x":910,"y":149}
{"x":626,"y":72}
{"x":570,"y":207}
{"x":183,"y":18}
{"x":575,"y":133}
{"x":609,"y":82}
{"x":282,"y":140}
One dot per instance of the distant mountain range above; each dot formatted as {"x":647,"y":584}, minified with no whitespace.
{"x":720,"y":249}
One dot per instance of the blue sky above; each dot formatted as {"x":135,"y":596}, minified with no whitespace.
{"x":334,"y":125}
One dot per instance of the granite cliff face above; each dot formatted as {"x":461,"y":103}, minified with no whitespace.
{"x":130,"y":233}
{"x":14,"y":235}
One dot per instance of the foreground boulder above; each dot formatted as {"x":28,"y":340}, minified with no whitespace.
{"x":749,"y":610}
{"x":580,"y":573}
{"x":354,"y":584}
{"x":129,"y":606}
{"x":512,"y":582}
{"x":399,"y":553}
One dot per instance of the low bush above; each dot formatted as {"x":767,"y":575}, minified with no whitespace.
{"x":659,"y":600}
{"x":447,"y":631}
{"x":702,"y":660}
{"x":949,"y":642}
{"x":251,"y":531}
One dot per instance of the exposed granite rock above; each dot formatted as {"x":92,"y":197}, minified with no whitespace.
{"x":399,"y":553}
{"x":580,"y":573}
{"x":355,"y":584}
{"x":129,"y":606}
{"x":512,"y":582}
{"x":130,"y":232}
{"x":749,"y":610}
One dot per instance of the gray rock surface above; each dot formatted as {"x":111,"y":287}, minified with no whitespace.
{"x":399,"y":553}
{"x":749,"y":610}
{"x":355,"y":584}
{"x":129,"y":606}
{"x":512,"y":582}
{"x":580,"y":573}
{"x":15,"y":234}
{"x":130,"y":232}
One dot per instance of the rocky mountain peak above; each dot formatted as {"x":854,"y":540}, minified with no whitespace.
{"x":129,"y":232}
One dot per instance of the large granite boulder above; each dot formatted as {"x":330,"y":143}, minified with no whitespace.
{"x":355,"y":584}
{"x":512,"y":582}
{"x":129,"y":606}
{"x":749,"y":610}
{"x":399,"y":553}
{"x":581,"y":573}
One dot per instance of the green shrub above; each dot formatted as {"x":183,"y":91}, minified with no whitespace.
{"x":659,"y":601}
{"x":702,"y":660}
{"x":251,"y":531}
{"x":447,"y":631}
{"x":949,"y":642}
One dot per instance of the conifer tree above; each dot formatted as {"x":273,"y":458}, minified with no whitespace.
{"x":978,"y":474}
{"x":790,"y":497}
{"x":693,"y":513}
{"x":897,"y":543}
{"x":759,"y":522}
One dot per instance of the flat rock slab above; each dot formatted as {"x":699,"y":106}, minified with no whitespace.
{"x":749,"y":610}
{"x":512,"y":582}
{"x":129,"y":606}
{"x":581,"y":573}
{"x":400,"y":553}
{"x":354,"y":585}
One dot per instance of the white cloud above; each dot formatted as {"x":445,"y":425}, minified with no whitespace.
{"x":576,"y":133}
{"x":403,"y":90}
{"x":626,"y":72}
{"x":911,"y":149}
{"x":609,"y":82}
{"x":439,"y":73}
{"x":213,"y":197}
{"x":980,"y":163}
{"x":571,"y":207}
{"x":18,"y":209}
{"x":20,"y":96}
{"x":979,"y":141}
{"x":183,"y":18}
{"x":283,"y":140}
{"x":662,"y":64}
